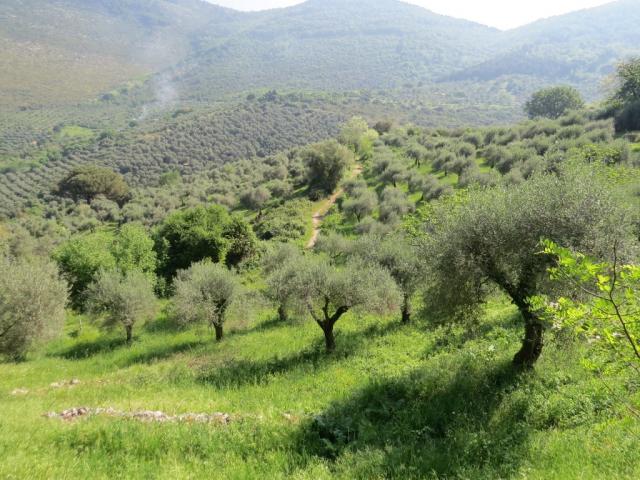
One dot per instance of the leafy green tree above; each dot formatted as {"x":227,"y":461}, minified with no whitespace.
{"x":357,"y":135}
{"x":83,"y":256}
{"x":327,"y":292}
{"x":242,"y":241}
{"x":604,"y":307}
{"x":32,"y":302}
{"x":326,"y":164}
{"x":199,"y":233}
{"x":360,"y":203}
{"x":122,"y":299}
{"x":204,"y":293}
{"x":394,"y":205}
{"x":89,"y":181}
{"x":554,"y":102}
{"x":395,"y":173}
{"x":628,"y":82}
{"x":492,"y":238}
{"x":132,"y":249}
{"x":256,"y":198}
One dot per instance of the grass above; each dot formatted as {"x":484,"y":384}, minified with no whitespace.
{"x":421,"y":401}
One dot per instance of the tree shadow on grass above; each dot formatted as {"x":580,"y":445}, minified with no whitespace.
{"x":447,"y":423}
{"x":161,"y":352}
{"x":84,"y":350}
{"x":245,"y":371}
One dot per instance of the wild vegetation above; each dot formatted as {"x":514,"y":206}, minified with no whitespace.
{"x":446,"y":252}
{"x":311,"y":285}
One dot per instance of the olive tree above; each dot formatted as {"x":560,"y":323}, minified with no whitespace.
{"x":122,"y":299}
{"x":32,"y":301}
{"x":279,"y":265}
{"x":360,"y":203}
{"x":204,"y":293}
{"x":398,"y":257}
{"x":492,"y":238}
{"x":327,"y":292}
{"x":326,"y":164}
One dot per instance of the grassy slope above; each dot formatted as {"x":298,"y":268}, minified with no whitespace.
{"x":393,"y":402}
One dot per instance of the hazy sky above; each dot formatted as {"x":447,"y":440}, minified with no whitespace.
{"x":497,"y":13}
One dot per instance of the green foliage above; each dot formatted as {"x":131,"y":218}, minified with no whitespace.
{"x":87,"y":182}
{"x":204,"y":293}
{"x":604,"y":308}
{"x":326,"y":164}
{"x":284,"y":222}
{"x":192,"y":235}
{"x":554,"y":102}
{"x":327,"y":292}
{"x":492,"y":237}
{"x":80,"y":259}
{"x":628,"y":78}
{"x":397,"y":256}
{"x":123,"y":299}
{"x":357,"y":135}
{"x":32,"y":302}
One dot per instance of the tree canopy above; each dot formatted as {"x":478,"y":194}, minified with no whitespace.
{"x":89,"y":181}
{"x":492,"y":237}
{"x":554,"y":102}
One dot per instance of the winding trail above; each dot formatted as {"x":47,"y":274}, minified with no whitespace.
{"x":319,"y":214}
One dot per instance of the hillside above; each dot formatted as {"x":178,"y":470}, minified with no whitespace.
{"x":579,"y":48}
{"x":65,"y":51}
{"x":334,"y":45}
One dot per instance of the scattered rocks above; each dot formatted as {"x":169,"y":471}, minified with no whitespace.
{"x":19,"y":391}
{"x":143,"y":416}
{"x":65,"y":383}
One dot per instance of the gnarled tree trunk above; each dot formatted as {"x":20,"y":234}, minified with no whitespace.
{"x":282,"y":313}
{"x":532,"y":342}
{"x":129,"y":330}
{"x":406,"y":309}
{"x":329,"y":338}
{"x":219,"y":332}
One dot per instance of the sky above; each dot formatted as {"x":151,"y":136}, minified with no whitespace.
{"x":503,"y":14}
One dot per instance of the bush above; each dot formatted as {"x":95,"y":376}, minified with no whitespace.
{"x":32,"y":302}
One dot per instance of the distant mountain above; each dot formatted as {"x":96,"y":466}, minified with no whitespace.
{"x":64,"y":51}
{"x":338,"y":45}
{"x":58,"y":51}
{"x":579,"y":48}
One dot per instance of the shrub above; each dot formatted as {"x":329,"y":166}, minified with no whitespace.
{"x":32,"y":302}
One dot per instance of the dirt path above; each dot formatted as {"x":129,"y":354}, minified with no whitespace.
{"x":319,"y":215}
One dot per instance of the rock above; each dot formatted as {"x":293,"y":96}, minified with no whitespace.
{"x":65,"y":383}
{"x":19,"y":391}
